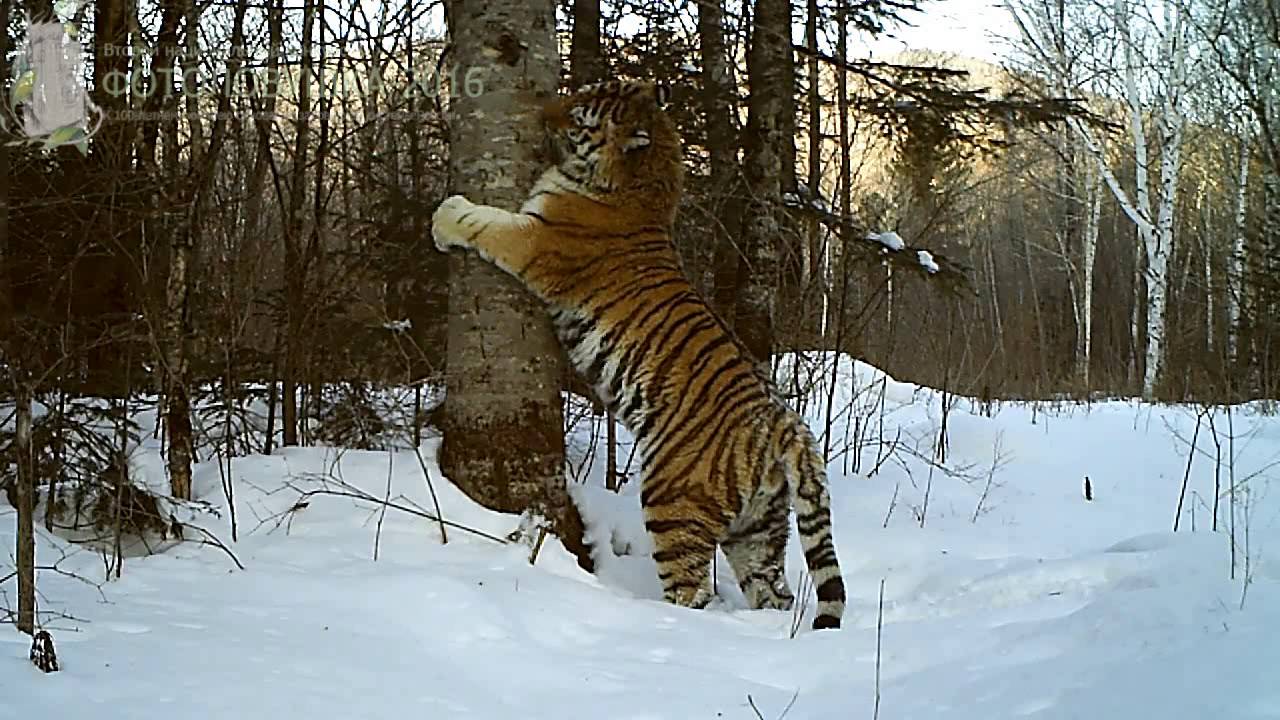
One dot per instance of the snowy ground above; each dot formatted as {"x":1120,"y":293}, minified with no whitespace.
{"x":1044,"y":605}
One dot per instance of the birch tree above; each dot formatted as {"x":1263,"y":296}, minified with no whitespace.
{"x":1138,"y":55}
{"x":1243,"y":42}
{"x":503,"y":441}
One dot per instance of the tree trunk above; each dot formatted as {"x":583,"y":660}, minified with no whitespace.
{"x":586,"y":64}
{"x":1236,"y":262}
{"x":160,"y":84}
{"x":768,"y":68}
{"x":11,"y":359}
{"x":26,"y":491}
{"x":1160,"y":249}
{"x":718,"y":102}
{"x":191,"y":71}
{"x":295,"y":263}
{"x":264,"y":109}
{"x":846,"y":178}
{"x":178,"y":288}
{"x":815,"y":242}
{"x":503,"y":436}
{"x":1092,"y":225}
{"x":110,"y":64}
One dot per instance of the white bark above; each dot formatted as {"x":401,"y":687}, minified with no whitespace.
{"x":1210,"y":307}
{"x":1236,"y":263}
{"x":1092,"y":225}
{"x":1151,"y":212}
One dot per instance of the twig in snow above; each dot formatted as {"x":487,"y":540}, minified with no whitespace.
{"x":1217,"y":471}
{"x":1247,"y":509}
{"x":1186,"y":475}
{"x":893,"y":503}
{"x":928,"y":488}
{"x":751,"y":701}
{"x":997,"y":461}
{"x":211,"y":539}
{"x":537,"y":545}
{"x":431,"y":487}
{"x":382,"y":513}
{"x":875,"y":712}
{"x":801,"y":601}
{"x":397,"y":503}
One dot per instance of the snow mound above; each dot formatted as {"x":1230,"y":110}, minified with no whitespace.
{"x":1006,"y":593}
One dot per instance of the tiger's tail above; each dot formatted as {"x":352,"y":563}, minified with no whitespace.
{"x":806,"y":474}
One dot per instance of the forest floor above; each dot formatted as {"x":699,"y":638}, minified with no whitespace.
{"x":1017,"y":598}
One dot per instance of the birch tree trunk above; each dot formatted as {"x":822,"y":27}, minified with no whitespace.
{"x":1170,"y":126}
{"x":1092,"y":226}
{"x":1237,"y":261}
{"x":503,"y":435}
{"x":1153,"y":217}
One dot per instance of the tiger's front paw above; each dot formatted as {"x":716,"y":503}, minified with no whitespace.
{"x":447,"y":228}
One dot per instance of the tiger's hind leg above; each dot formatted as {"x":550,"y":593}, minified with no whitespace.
{"x":757,"y":544}
{"x":684,"y":543}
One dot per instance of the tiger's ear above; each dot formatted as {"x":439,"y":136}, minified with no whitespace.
{"x":661,"y":95}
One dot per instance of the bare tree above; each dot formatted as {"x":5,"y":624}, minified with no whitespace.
{"x":1153,"y":84}
{"x":297,"y":256}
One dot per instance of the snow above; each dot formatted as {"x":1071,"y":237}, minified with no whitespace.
{"x":1028,"y":602}
{"x":890,"y":239}
{"x":398,"y":325}
{"x":926,"y":261}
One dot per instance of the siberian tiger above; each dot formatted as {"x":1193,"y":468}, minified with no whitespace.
{"x":722,"y":457}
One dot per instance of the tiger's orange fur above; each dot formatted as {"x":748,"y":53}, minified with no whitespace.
{"x":723,"y":459}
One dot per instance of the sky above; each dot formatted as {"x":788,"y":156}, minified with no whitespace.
{"x":972,"y":28}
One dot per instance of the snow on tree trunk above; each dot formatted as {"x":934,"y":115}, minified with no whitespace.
{"x":503,"y":369}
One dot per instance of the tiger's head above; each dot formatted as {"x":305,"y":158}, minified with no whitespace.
{"x":615,"y":136}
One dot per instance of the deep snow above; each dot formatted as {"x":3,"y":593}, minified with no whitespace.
{"x":1046,"y":605}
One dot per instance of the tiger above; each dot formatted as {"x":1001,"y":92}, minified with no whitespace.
{"x":723,"y":458}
